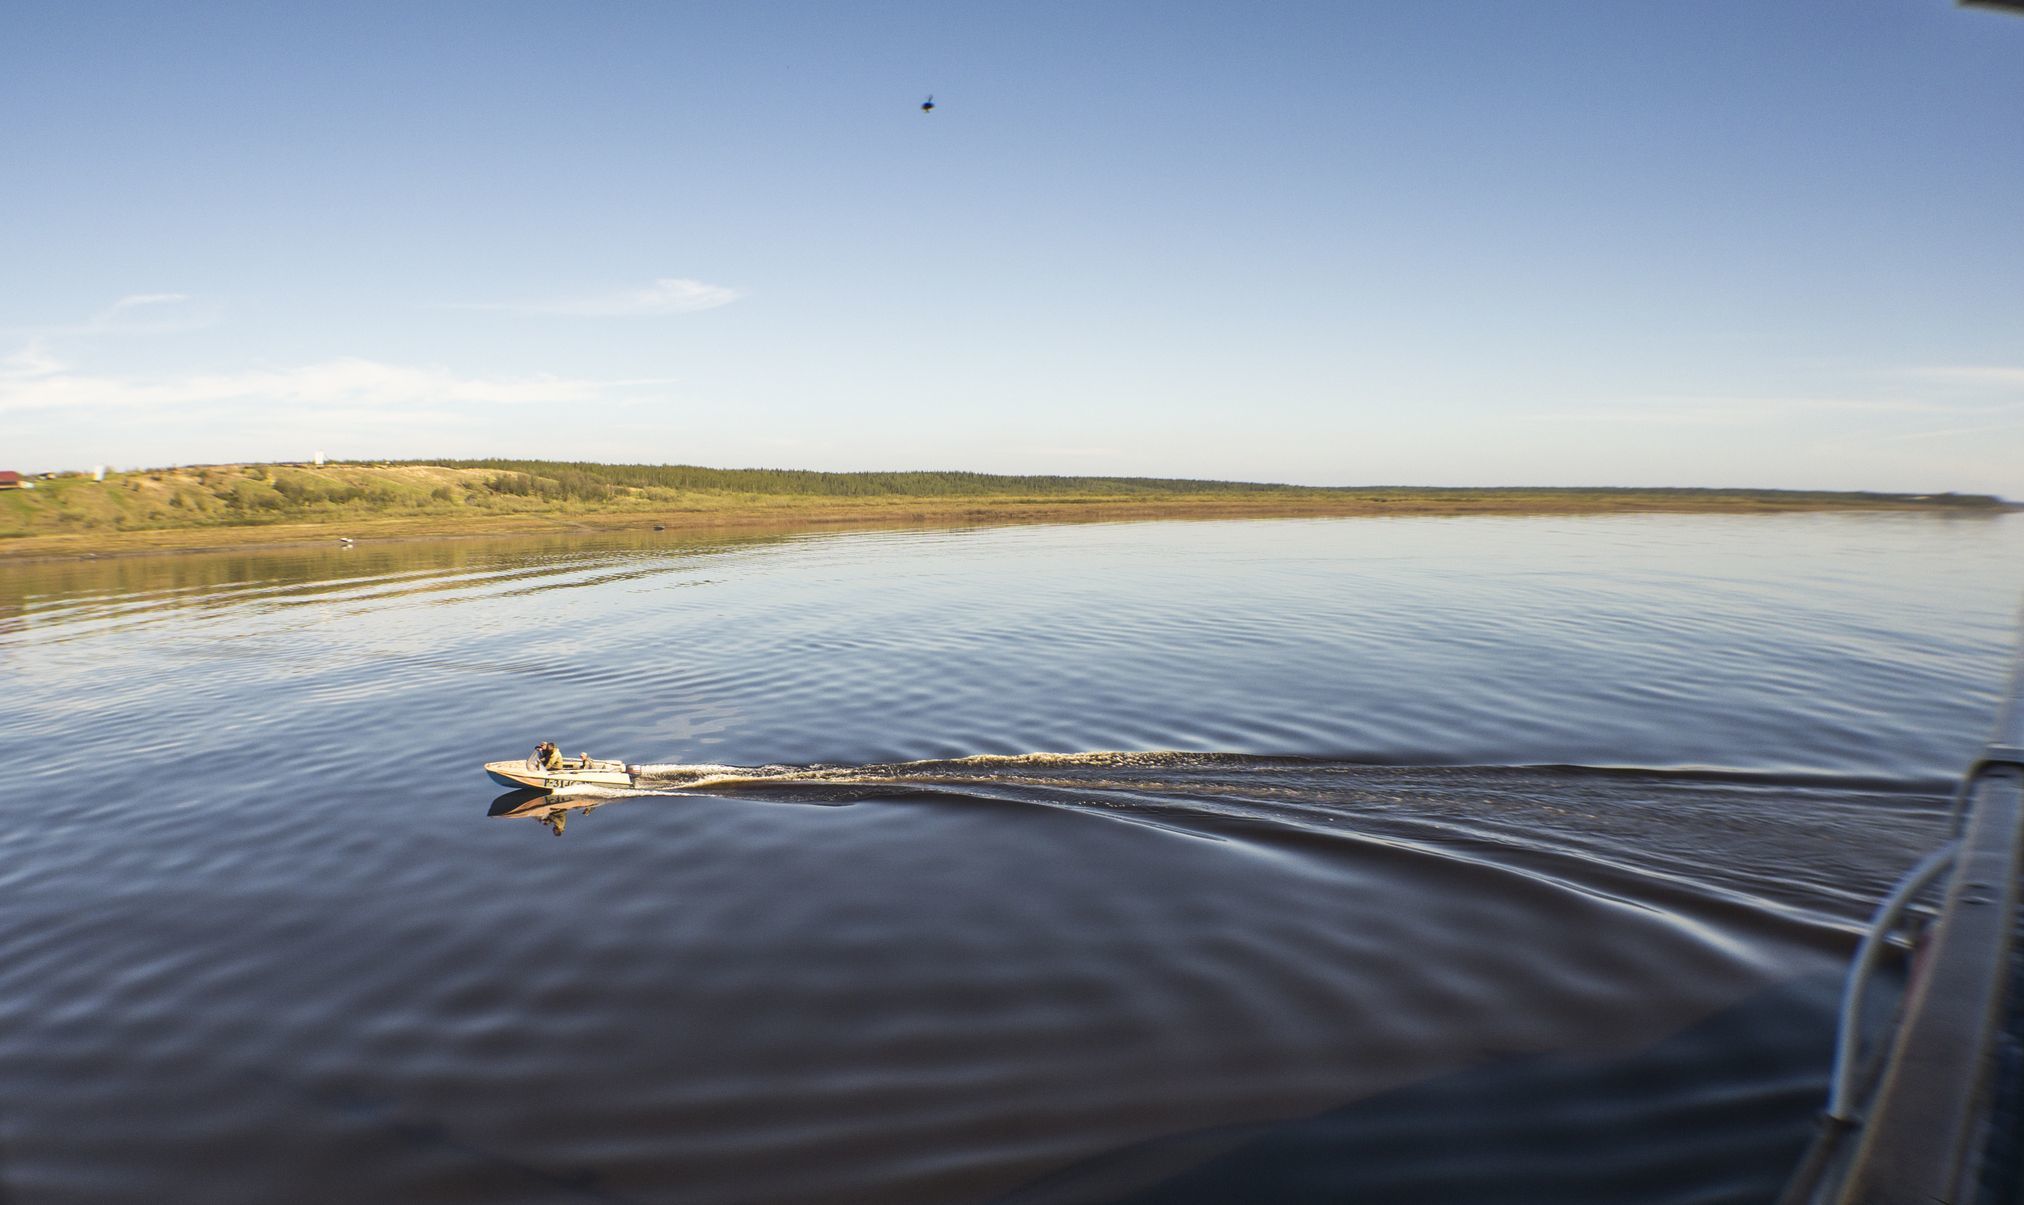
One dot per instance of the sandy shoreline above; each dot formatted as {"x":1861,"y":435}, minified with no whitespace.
{"x":837,"y":514}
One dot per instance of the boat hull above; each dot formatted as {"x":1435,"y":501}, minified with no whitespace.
{"x":517,"y":774}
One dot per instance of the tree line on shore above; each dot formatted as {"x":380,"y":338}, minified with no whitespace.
{"x":259,"y":494}
{"x":589,"y":480}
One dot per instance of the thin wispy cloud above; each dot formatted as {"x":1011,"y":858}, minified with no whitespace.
{"x":34,"y":359}
{"x":2012,"y":420}
{"x":666,"y":296}
{"x":34,"y":377}
{"x":344,"y":382}
{"x":1076,"y":453}
{"x":134,"y":314}
{"x":135,"y":301}
{"x":2000,"y":375}
{"x":1820,"y":426}
{"x":137,"y":314}
{"x":1738,"y":411}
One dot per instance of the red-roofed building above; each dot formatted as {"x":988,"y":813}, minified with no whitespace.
{"x":9,"y":480}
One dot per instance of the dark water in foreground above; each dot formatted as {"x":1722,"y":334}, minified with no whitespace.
{"x":1470,"y":859}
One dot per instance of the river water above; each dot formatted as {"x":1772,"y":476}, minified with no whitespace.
{"x":1456,"y":859}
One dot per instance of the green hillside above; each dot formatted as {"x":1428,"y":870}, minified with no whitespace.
{"x":442,"y":497}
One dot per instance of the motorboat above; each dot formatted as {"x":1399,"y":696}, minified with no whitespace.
{"x":585,"y":771}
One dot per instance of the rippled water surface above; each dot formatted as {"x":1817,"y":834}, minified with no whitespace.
{"x":1308,"y":860}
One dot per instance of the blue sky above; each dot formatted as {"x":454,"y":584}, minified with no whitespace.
{"x":1726,"y":242}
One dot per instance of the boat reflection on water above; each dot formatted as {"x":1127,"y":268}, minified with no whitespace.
{"x":551,"y":810}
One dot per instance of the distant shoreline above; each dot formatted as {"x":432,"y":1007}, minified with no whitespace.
{"x":226,"y":507}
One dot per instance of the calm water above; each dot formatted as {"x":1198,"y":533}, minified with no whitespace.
{"x":1377,"y":860}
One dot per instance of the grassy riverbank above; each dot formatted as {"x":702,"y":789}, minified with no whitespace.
{"x":222,"y":506}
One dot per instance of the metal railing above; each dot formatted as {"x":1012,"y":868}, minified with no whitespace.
{"x":1920,"y":1135}
{"x":1841,"y":1102}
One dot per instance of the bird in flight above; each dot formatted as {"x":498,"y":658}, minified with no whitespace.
{"x":928,"y":105}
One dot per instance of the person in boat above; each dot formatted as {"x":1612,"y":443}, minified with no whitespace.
{"x":547,"y":756}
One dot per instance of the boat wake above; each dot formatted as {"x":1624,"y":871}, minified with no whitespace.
{"x":1808,"y":847}
{"x":1450,"y":943}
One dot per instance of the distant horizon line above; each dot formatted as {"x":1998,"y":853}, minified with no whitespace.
{"x":454,"y":461}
